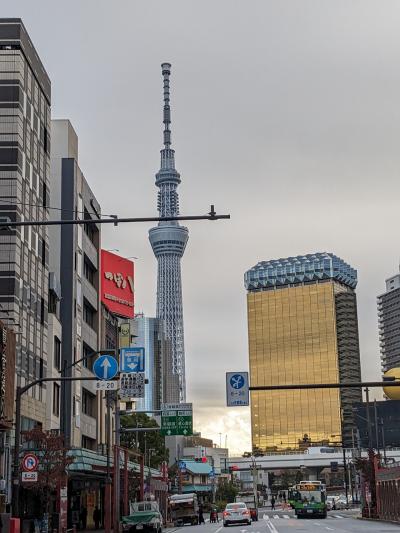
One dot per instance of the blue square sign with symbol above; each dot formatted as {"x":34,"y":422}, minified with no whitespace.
{"x":132,"y":360}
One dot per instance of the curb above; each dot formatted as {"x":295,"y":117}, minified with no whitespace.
{"x":377,"y":520}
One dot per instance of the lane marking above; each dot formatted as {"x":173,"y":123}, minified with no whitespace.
{"x":286,"y":516}
{"x":219,"y":529}
{"x":338,"y":516}
{"x":317,"y":523}
{"x":329,"y":528}
{"x":276,"y":516}
{"x":271,"y":527}
{"x":265,"y":516}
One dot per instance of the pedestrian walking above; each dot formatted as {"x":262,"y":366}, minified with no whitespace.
{"x":273,"y":503}
{"x":83,"y":517}
{"x":96,"y":518}
{"x":201,"y":517}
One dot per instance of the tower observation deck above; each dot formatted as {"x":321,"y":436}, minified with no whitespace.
{"x":168,"y":241}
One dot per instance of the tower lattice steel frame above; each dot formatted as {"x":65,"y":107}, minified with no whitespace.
{"x":168,"y":241}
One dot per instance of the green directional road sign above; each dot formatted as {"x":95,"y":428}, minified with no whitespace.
{"x":176,"y":421}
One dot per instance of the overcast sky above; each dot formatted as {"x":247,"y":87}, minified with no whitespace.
{"x":285,"y":115}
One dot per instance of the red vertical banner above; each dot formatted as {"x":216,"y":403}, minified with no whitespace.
{"x":117,"y":284}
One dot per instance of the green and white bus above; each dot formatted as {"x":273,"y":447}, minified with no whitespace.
{"x":308,"y":498}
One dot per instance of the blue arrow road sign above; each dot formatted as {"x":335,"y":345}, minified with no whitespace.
{"x":132,"y":360}
{"x":105,"y":367}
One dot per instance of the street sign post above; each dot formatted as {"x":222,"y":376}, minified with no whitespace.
{"x":237,"y":389}
{"x":132,"y":385}
{"x":105,"y":367}
{"x":177,"y":419}
{"x":132,"y":360}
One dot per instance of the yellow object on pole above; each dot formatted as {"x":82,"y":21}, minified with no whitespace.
{"x":393,"y":393}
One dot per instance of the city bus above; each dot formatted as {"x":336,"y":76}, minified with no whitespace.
{"x":308,"y":498}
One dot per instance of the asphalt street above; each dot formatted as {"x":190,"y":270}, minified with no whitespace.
{"x":286,"y":522}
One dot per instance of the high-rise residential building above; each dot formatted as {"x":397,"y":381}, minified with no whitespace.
{"x":168,"y":241}
{"x":150,"y":335}
{"x":303,"y":329}
{"x":389,"y":323}
{"x":25,"y":93}
{"x":75,"y":261}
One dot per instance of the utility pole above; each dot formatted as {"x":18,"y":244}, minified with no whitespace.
{"x":376,"y":427}
{"x":108,"y":498}
{"x":368,"y":418}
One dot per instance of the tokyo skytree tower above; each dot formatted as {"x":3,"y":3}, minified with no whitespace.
{"x":168,"y":241}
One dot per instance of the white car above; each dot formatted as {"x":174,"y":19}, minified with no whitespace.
{"x":236,"y":513}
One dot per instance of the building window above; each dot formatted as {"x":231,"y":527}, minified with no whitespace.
{"x":89,"y":271}
{"x":88,"y":356}
{"x":90,"y":229}
{"x":88,"y":443}
{"x":42,"y":313}
{"x":56,"y":399}
{"x":43,"y":251}
{"x":57,"y":353}
{"x":52,"y":305}
{"x":88,"y":314}
{"x":88,"y":403}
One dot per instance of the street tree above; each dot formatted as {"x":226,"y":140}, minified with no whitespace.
{"x":150,"y":444}
{"x":53,"y":462}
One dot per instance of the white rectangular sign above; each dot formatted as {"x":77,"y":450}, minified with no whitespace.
{"x":176,"y":406}
{"x":132,"y":385}
{"x":29,"y":477}
{"x":237,"y":389}
{"x":106,"y":385}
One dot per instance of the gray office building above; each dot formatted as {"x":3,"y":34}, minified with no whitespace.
{"x":75,"y":260}
{"x":25,"y":92}
{"x":389,"y":323}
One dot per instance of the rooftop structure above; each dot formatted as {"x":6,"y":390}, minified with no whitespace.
{"x":300,"y":269}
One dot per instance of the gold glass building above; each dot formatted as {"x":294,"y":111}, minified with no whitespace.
{"x":302,"y":323}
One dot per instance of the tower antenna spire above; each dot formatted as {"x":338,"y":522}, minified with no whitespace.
{"x":166,"y":72}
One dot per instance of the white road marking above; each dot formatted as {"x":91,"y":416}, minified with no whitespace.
{"x":338,"y":516}
{"x":317,"y":523}
{"x":271,"y":526}
{"x":265,"y":516}
{"x":329,"y":528}
{"x":219,"y":529}
{"x":286,"y":516}
{"x":276,"y":516}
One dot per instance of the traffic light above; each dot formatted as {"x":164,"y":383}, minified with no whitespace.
{"x":200,"y":459}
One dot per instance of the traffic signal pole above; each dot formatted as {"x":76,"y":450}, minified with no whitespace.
{"x":307,"y":386}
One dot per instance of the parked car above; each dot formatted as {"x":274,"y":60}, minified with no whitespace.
{"x":236,"y":513}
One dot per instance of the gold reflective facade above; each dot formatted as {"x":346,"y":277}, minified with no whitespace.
{"x":293,"y":339}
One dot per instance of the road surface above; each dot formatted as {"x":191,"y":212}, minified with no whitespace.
{"x":286,"y":522}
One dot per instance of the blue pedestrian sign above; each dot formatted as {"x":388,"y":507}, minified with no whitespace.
{"x":237,"y":389}
{"x":237,"y":381}
{"x":132,"y":360}
{"x":105,"y":367}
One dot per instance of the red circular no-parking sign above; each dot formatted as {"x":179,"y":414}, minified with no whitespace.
{"x":30,"y":462}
